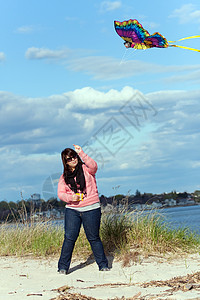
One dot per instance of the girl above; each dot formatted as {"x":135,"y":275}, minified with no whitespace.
{"x":77,"y":187}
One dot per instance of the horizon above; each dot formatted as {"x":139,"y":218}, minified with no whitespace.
{"x":100,"y":195}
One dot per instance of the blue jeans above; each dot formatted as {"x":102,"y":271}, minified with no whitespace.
{"x":91,"y":224}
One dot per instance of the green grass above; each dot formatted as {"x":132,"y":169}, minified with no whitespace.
{"x":37,"y":240}
{"x":152,"y":235}
{"x":123,"y":234}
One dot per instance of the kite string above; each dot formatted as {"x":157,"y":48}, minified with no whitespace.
{"x":123,"y":56}
{"x":127,"y":56}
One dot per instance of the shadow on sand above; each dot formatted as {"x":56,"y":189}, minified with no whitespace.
{"x":90,"y":260}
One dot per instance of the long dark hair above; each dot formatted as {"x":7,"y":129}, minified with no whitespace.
{"x":78,"y":172}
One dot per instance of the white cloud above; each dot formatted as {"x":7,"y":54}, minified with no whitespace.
{"x":25,"y":29}
{"x":30,"y":124}
{"x":71,"y":19}
{"x":89,"y":98}
{"x":45,"y":53}
{"x":195,"y":164}
{"x":2,"y":56}
{"x":35,"y":130}
{"x":110,"y":5}
{"x":186,"y":14}
{"x":88,"y":124}
{"x":35,"y":121}
{"x":108,"y":68}
{"x":190,"y":76}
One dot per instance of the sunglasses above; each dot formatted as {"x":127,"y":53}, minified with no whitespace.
{"x":69,"y":159}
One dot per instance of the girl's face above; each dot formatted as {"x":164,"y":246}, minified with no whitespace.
{"x":72,"y":161}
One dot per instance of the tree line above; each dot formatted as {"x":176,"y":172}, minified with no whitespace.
{"x":10,"y":211}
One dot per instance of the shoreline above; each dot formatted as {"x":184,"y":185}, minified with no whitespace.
{"x":147,"y":279}
{"x":61,"y":218}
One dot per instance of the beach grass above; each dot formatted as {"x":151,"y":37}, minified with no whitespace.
{"x":124,"y":234}
{"x":147,"y":234}
{"x":39,"y":239}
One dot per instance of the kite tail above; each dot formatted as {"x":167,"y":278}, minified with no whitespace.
{"x":186,"y":38}
{"x":190,"y":37}
{"x":188,"y":48}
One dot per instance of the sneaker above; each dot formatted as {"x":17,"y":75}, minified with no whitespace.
{"x":105,"y":269}
{"x":62,"y":271}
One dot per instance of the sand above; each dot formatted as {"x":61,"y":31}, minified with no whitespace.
{"x":26,"y":278}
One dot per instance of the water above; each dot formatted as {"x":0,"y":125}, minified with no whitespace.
{"x":175,"y":217}
{"x":187,"y":216}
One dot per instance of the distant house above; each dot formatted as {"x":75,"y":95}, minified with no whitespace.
{"x":134,"y":206}
{"x":36,"y":200}
{"x":191,"y":201}
{"x":156,"y":205}
{"x":170,"y":202}
{"x":183,"y":202}
{"x":54,"y":214}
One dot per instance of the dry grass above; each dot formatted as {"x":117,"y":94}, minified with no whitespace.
{"x":133,"y":234}
{"x":38,"y":239}
{"x":126,"y":235}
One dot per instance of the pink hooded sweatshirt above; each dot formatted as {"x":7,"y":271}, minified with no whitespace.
{"x":91,"y":197}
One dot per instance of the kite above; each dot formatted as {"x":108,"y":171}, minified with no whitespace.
{"x":135,"y":36}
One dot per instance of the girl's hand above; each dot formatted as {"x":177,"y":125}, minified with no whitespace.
{"x":75,"y":198}
{"x":77,"y":148}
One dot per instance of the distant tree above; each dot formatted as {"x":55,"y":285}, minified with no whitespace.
{"x":12,"y":205}
{"x":197,"y":193}
{"x":103,"y":200}
{"x":43,"y":205}
{"x":197,"y":196}
{"x":183,"y":195}
{"x":171,"y":195}
{"x":4,"y":205}
{"x":53,"y":203}
{"x":119,"y":197}
{"x":61,"y":204}
{"x":137,"y":193}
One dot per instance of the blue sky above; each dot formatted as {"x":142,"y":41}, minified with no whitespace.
{"x":66,"y":77}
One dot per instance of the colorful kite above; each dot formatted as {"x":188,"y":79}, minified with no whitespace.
{"x":135,"y":36}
